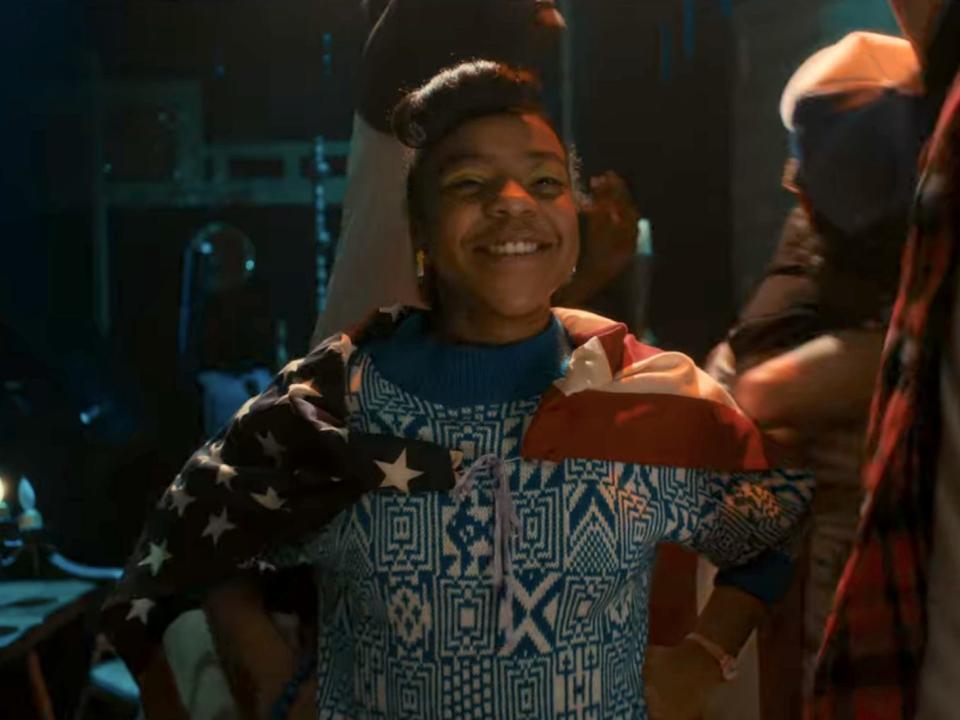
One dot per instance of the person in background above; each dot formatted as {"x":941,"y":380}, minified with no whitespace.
{"x":372,"y":269}
{"x":893,"y":636}
{"x":466,"y":482}
{"x":803,"y":357}
{"x":614,"y":268}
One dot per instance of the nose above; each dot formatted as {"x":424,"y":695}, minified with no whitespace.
{"x":512,"y":199}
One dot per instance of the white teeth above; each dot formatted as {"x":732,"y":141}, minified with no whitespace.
{"x":513,"y":248}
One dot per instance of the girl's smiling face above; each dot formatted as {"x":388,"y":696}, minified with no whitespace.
{"x":499,"y":217}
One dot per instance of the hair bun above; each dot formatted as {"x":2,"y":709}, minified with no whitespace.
{"x":407,"y":123}
{"x":460,"y":93}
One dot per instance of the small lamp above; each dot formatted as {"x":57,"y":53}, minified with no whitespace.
{"x":30,"y":519}
{"x":8,"y":529}
{"x":4,"y":509}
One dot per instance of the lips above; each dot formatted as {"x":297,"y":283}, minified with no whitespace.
{"x":513,"y":248}
{"x":515,"y":240}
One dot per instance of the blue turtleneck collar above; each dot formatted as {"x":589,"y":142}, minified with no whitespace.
{"x":456,"y":375}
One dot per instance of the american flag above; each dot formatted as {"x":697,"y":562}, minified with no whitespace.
{"x":282,"y":469}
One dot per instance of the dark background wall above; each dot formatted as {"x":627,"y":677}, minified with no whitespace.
{"x":270,"y":70}
{"x":653,"y":102}
{"x":679,"y":96}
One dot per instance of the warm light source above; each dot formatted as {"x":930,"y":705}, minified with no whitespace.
{"x":29,"y":518}
{"x":4,"y":510}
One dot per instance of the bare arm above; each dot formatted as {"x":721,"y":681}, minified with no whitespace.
{"x":257,"y":660}
{"x":727,"y":531}
{"x":729,"y":617}
{"x":679,"y":679}
{"x":826,"y":381}
{"x":159,"y":695}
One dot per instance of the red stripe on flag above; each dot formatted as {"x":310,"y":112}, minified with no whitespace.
{"x":649,"y":429}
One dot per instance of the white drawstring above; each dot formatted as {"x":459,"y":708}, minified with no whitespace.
{"x":505,"y":525}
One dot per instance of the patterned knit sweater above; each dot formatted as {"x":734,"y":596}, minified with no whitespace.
{"x":522,"y":593}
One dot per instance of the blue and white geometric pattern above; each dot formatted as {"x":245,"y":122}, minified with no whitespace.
{"x":412,"y":624}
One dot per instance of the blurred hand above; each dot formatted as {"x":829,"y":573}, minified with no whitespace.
{"x":679,"y":680}
{"x":609,"y":238}
{"x":611,"y":226}
{"x":548,"y":15}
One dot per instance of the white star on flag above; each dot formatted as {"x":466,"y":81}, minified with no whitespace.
{"x":245,"y":408}
{"x":343,"y":346}
{"x":393,"y":311}
{"x":178,"y":484}
{"x":270,"y":500}
{"x":157,"y":556}
{"x":291,"y":367}
{"x":225,"y":474}
{"x":205,"y":461}
{"x":217,"y":526}
{"x":397,"y":474}
{"x":303,"y":390}
{"x":271,"y":448}
{"x":215,"y":450}
{"x":140,"y":608}
{"x":179,"y":499}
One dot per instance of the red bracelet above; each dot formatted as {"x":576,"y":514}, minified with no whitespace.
{"x":727,"y":663}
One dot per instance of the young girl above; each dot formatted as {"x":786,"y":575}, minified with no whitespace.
{"x":480,"y":487}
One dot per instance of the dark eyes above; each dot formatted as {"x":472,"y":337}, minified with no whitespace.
{"x":550,"y":183}
{"x":546,"y":185}
{"x":466,"y":184}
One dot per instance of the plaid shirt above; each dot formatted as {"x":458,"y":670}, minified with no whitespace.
{"x":875,"y":638}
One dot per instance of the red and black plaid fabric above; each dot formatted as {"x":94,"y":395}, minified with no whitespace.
{"x":870,"y":660}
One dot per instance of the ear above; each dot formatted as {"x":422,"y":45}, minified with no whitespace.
{"x":418,"y":236}
{"x":425,"y":282}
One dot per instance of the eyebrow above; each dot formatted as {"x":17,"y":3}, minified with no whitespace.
{"x":462,"y":158}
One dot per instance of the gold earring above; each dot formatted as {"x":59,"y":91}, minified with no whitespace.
{"x":421,"y":264}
